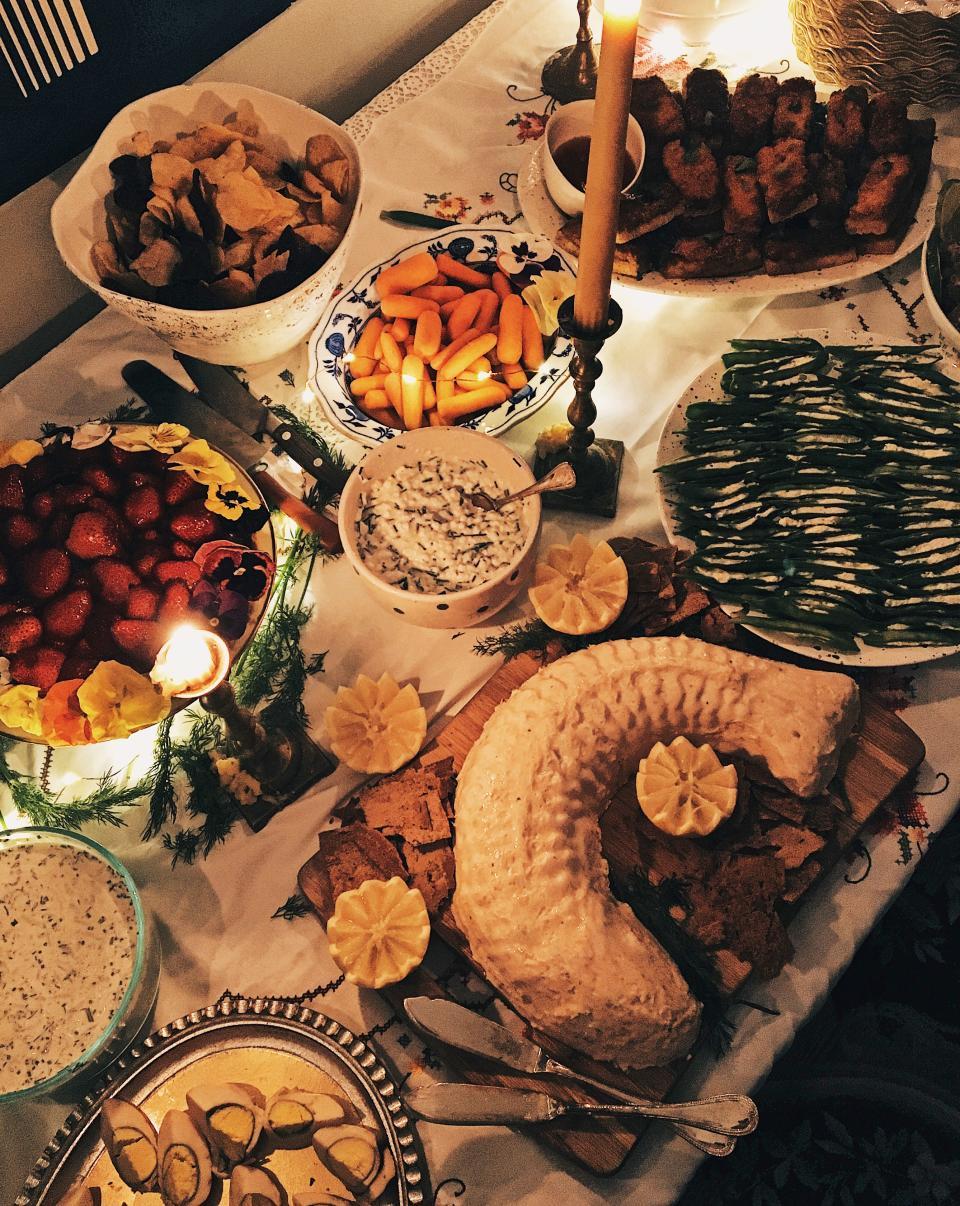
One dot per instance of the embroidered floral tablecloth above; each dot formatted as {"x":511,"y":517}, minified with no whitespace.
{"x":450,"y":138}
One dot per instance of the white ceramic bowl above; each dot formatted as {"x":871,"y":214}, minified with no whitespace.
{"x":949,"y":333}
{"x":572,"y":121}
{"x":461,"y":608}
{"x":243,"y":335}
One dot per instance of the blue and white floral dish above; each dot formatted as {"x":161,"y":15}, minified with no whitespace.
{"x":346,"y":314}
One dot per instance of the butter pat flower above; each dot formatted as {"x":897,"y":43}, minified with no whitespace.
{"x":230,"y":500}
{"x":545,"y":295}
{"x":63,"y":721}
{"x":244,"y":788}
{"x":20,"y":452}
{"x":20,"y":709}
{"x":203,"y":463}
{"x":90,"y":435}
{"x":118,"y":701}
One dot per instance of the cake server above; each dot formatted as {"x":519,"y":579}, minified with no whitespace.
{"x":462,"y":1028}
{"x":170,"y":402}
{"x":491,"y":1104}
{"x":221,"y":390}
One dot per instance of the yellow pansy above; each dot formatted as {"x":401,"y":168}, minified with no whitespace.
{"x":20,"y":452}
{"x":90,"y":435}
{"x":168,"y":437}
{"x":545,"y":295}
{"x":230,"y":500}
{"x":201,"y":462}
{"x":20,"y":709}
{"x":135,"y":438}
{"x":118,"y":701}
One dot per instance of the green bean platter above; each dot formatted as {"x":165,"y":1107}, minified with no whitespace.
{"x":817,"y":486}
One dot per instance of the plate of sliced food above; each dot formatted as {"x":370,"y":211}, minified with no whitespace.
{"x":246,"y":1101}
{"x":816,"y":486}
{"x":764,"y":189}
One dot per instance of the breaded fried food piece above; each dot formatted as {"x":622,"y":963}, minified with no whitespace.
{"x":881,"y":195}
{"x":697,"y":256}
{"x":887,"y":126}
{"x":751,"y":113}
{"x":743,"y":203}
{"x":793,"y":114}
{"x":629,"y":259}
{"x":830,"y":183}
{"x":806,"y":250}
{"x":653,"y":208}
{"x":785,"y":179}
{"x":706,"y":101}
{"x":921,"y":148}
{"x":692,"y":169}
{"x":846,"y":129}
{"x":657,"y":110}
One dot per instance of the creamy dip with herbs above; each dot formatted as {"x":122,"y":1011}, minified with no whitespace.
{"x":68,"y":938}
{"x":418,"y":530}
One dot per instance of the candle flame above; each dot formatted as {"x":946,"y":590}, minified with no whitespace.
{"x":192,"y":662}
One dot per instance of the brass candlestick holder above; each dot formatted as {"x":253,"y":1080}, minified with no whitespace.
{"x":571,"y":73}
{"x":285,"y":762}
{"x":597,"y":462}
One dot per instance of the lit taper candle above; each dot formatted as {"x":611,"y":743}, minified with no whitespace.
{"x":605,"y":170}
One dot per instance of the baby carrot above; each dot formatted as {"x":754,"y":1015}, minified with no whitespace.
{"x":398,"y":305}
{"x":375,"y":400}
{"x":363,"y":385}
{"x":426,"y":338}
{"x":489,"y":305}
{"x":439,"y":293}
{"x":473,"y":400}
{"x":464,"y":314}
{"x":429,"y":394}
{"x":459,"y":361}
{"x":514,"y":376}
{"x":393,"y":392}
{"x":401,"y":329}
{"x":391,"y":352}
{"x":437,"y":362}
{"x":462,"y":273}
{"x":510,"y":342}
{"x":445,"y":388}
{"x":364,"y":353}
{"x":411,"y":391}
{"x":500,"y":285}
{"x":409,"y":274}
{"x":532,"y":340}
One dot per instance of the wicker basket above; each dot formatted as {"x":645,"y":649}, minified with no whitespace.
{"x":914,"y":55}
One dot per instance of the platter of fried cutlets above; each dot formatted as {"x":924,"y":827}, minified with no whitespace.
{"x":762,"y":189}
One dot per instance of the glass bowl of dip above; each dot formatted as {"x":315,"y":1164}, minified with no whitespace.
{"x":71,"y":911}
{"x":422,"y":551}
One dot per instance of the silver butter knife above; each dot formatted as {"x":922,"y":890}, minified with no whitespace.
{"x":221,"y":390}
{"x":489,"y":1104}
{"x":462,"y":1028}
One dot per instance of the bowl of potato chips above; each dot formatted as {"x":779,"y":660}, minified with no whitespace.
{"x":217,"y":215}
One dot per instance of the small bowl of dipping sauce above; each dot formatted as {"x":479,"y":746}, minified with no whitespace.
{"x":81,"y":963}
{"x":567,"y":152}
{"x":423,"y":550}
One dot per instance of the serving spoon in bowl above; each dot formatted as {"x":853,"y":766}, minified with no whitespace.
{"x":562,"y":477}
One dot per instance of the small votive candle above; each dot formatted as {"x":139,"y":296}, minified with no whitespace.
{"x":191,"y":663}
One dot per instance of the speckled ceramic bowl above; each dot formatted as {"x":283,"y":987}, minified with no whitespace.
{"x":246,"y":334}
{"x":457,"y":609}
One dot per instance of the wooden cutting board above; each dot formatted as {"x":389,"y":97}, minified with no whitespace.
{"x":875,"y":762}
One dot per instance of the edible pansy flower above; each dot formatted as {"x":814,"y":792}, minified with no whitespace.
{"x":234,"y":567}
{"x":133,"y":438}
{"x":63,"y":720}
{"x":118,"y":701}
{"x":168,"y":437}
{"x":20,"y":452}
{"x":201,"y":462}
{"x":545,"y":295}
{"x":4,"y":671}
{"x":230,"y":500}
{"x":225,"y":611}
{"x":90,"y":435}
{"x":20,"y":708}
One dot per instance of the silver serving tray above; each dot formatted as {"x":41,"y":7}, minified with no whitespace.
{"x":265,"y":1042}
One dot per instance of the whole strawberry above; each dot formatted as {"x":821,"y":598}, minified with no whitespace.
{"x":45,"y":572}
{"x":143,"y":506}
{"x":42,"y":505}
{"x":38,"y":667}
{"x":93,"y":535}
{"x":177,"y":571}
{"x":64,"y":618}
{"x":176,"y":603}
{"x":19,"y":630}
{"x":194,"y":523}
{"x":114,"y":580}
{"x":11,"y":488}
{"x":20,"y":531}
{"x":179,"y":487}
{"x":142,"y":603}
{"x":101,"y":480}
{"x":139,"y":639}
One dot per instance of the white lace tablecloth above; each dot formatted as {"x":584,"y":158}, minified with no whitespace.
{"x":450,"y":138}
